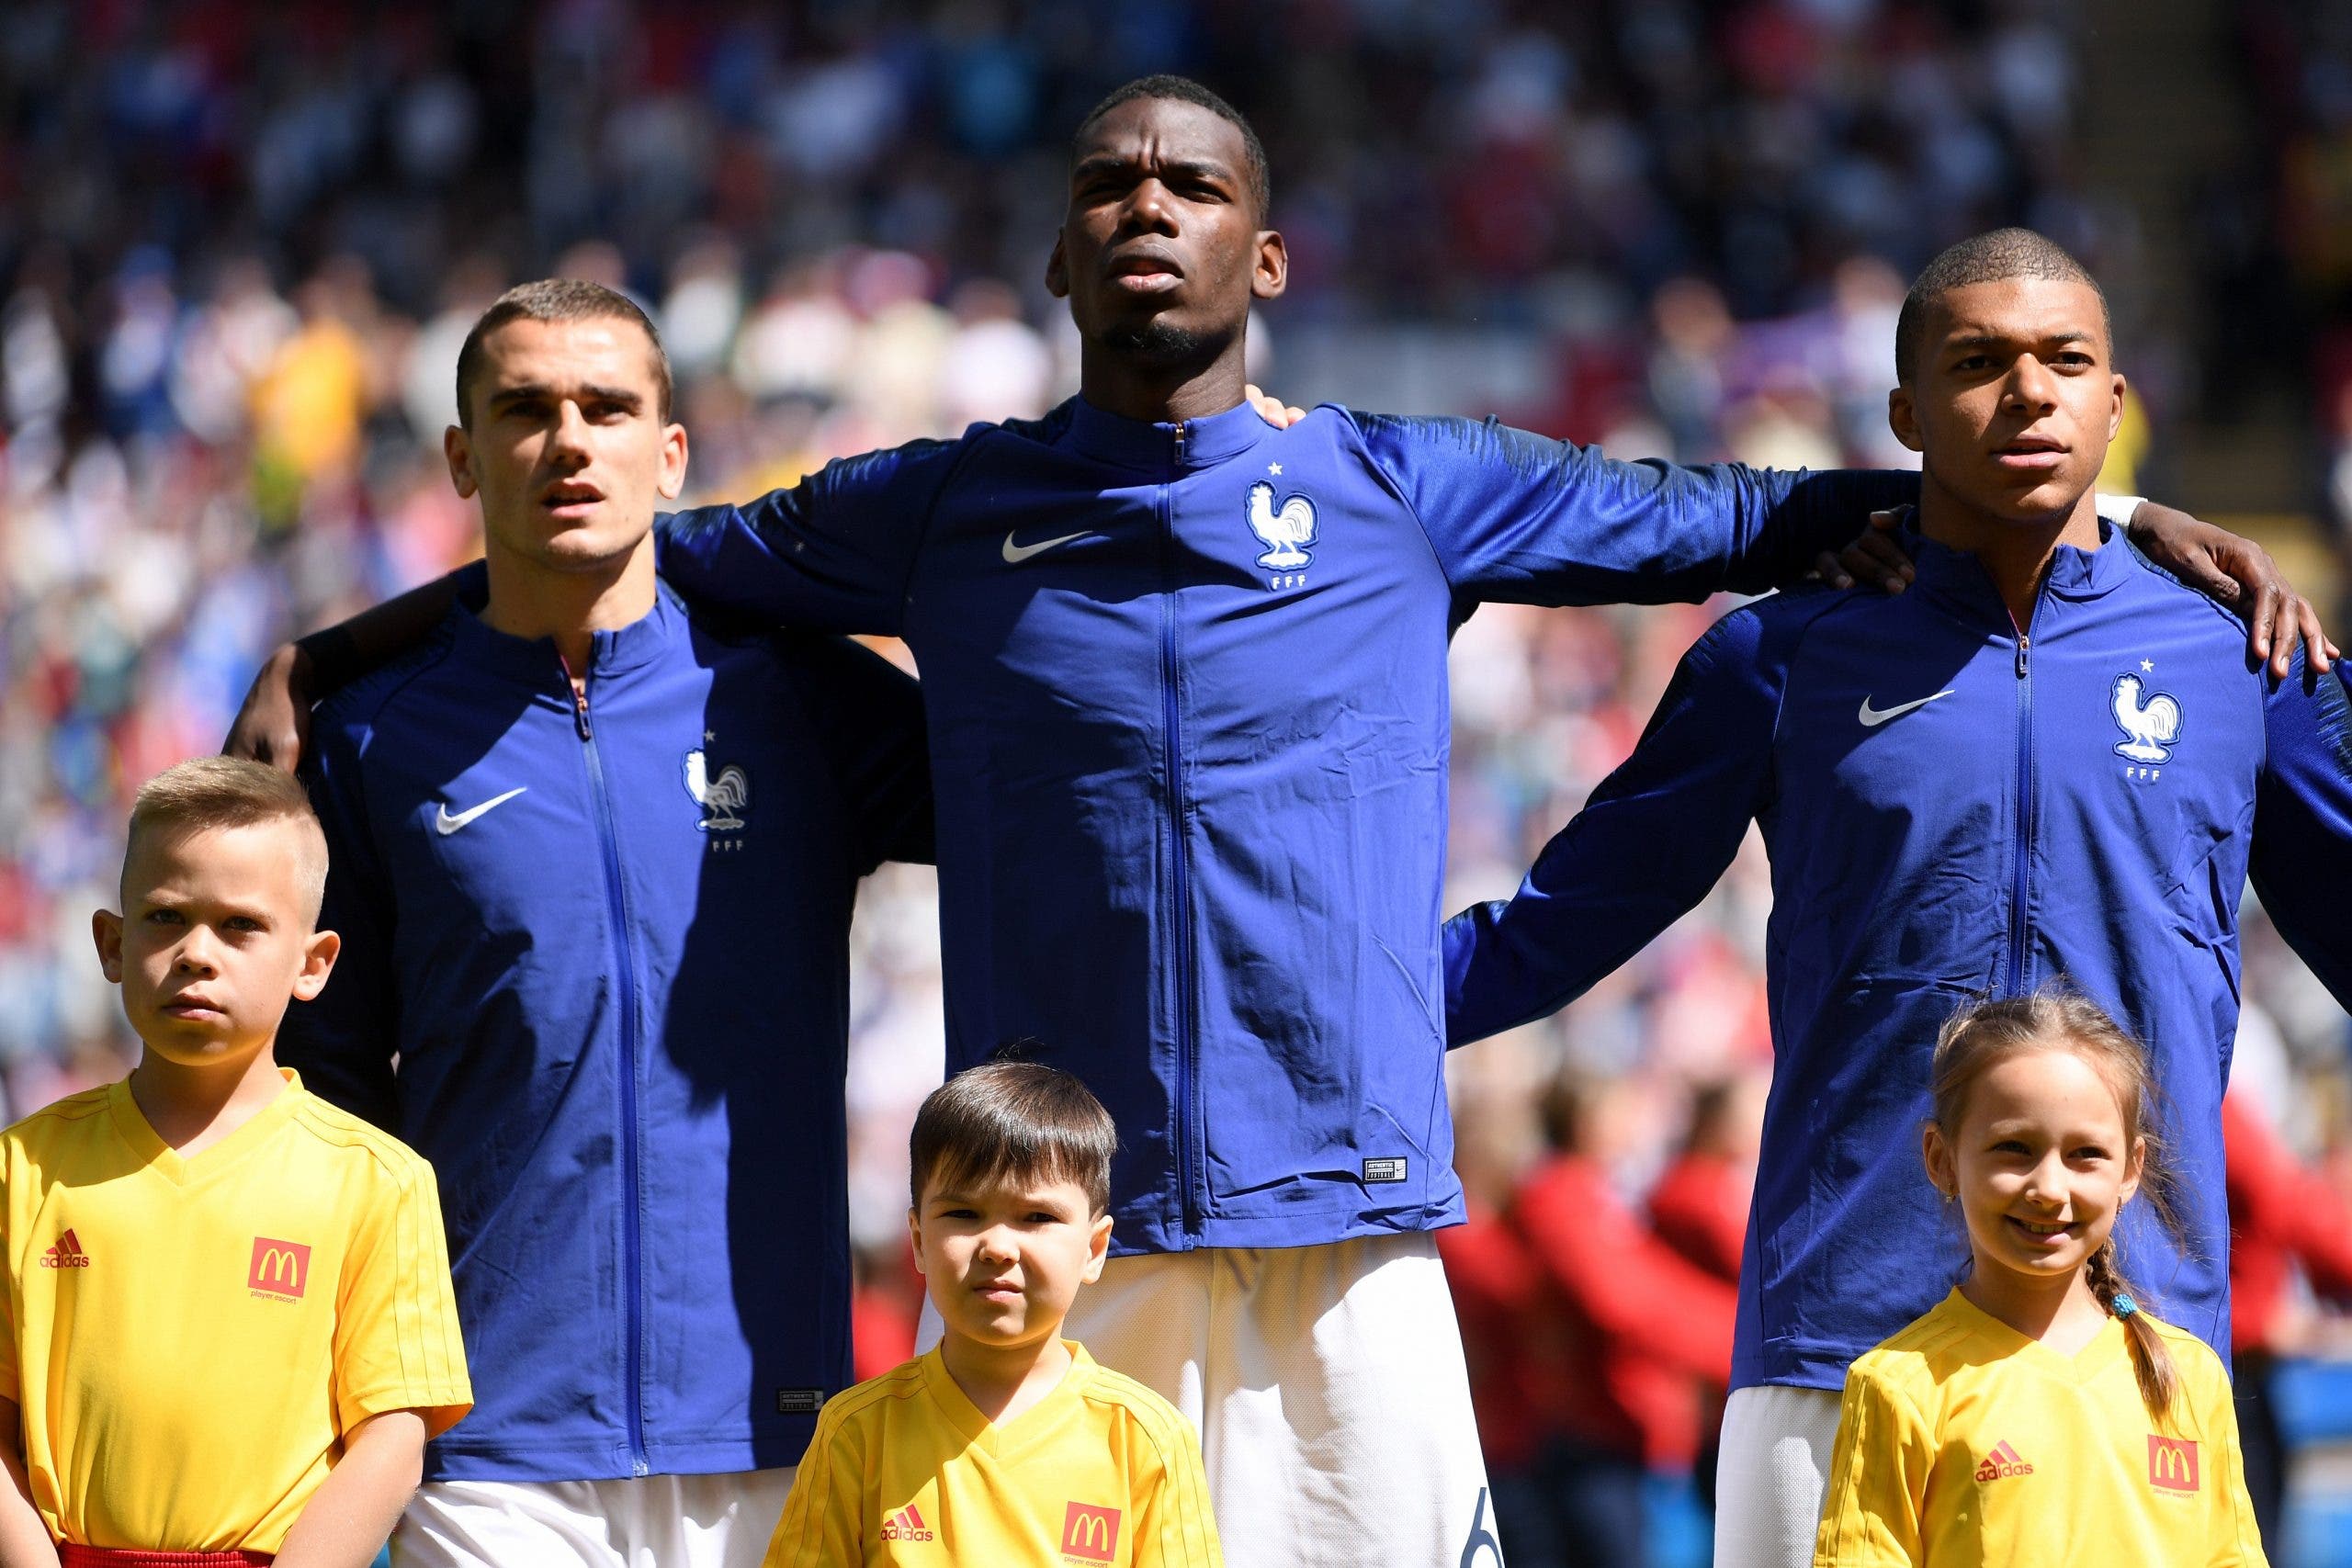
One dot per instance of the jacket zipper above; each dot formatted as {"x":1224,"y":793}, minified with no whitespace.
{"x":1170,"y":664}
{"x":616,"y":901}
{"x":2014,"y":980}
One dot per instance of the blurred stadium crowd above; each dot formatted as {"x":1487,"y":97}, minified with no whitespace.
{"x":240,"y":243}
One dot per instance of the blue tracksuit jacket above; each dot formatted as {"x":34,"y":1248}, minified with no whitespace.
{"x":1186,"y":691}
{"x":1952,"y":808}
{"x":609,"y":949}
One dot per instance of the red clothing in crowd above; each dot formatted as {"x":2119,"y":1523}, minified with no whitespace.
{"x":1699,"y":1209}
{"x":1624,"y":1330}
{"x":2279,"y":1214}
{"x":1496,"y":1289}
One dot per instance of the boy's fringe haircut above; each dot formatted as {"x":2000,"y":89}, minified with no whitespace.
{"x":1012,"y":1121}
{"x":2057,"y":1017}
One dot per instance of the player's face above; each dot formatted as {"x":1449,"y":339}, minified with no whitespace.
{"x":1004,"y":1261}
{"x":2013,"y":397}
{"x":2041,"y":1163}
{"x":1160,"y":252}
{"x":568,"y":452}
{"x":213,"y":940}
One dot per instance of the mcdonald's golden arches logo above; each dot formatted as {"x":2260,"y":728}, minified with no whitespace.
{"x":1090,"y":1533}
{"x":281,"y":1269}
{"x":2172,"y":1463}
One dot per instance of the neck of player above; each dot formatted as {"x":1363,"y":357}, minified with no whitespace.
{"x":1003,"y":1381}
{"x":192,"y":1107}
{"x":531,"y":600}
{"x":1188,"y":384}
{"x":2060,"y":1311}
{"x":2016,"y":553}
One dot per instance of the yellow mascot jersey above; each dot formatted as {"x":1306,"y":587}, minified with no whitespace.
{"x":1961,"y":1441}
{"x":188,"y":1339}
{"x":904,"y":1470}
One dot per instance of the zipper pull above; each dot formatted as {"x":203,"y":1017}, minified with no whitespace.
{"x":579,"y":699}
{"x":1179,"y":443}
{"x":2025,"y":646}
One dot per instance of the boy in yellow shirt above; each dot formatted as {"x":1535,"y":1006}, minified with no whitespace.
{"x":228,"y":1322}
{"x":1004,"y":1443}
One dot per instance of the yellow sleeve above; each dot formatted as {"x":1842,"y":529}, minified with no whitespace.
{"x":824,"y":1524}
{"x":1870,"y":1513}
{"x":12,"y":1386}
{"x":396,"y":1341}
{"x":2233,"y":1539}
{"x":1174,"y":1526}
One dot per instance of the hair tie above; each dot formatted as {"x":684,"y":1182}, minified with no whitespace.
{"x":2124,"y":1305}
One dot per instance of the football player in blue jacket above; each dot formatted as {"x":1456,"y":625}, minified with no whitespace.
{"x":596,"y":859}
{"x":2047,"y":759}
{"x":1186,"y":689}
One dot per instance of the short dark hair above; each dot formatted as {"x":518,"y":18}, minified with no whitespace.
{"x":1009,"y":1121}
{"x":1987,"y":258}
{"x":1184,"y":90}
{"x":557,"y":299}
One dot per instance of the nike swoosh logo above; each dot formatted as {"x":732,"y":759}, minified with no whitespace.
{"x":447,"y":824}
{"x":1015,"y":554}
{"x":1873,"y":718}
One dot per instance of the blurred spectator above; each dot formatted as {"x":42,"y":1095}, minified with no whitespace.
{"x":1622,"y":1332}
{"x":2282,"y":1217}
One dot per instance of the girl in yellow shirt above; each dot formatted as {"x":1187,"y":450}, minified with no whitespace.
{"x":2039,"y":1414}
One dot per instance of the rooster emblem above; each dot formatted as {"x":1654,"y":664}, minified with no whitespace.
{"x":1286,"y":532}
{"x":2152,"y":725}
{"x":720,"y":798}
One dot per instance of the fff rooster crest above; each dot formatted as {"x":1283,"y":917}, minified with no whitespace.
{"x":722,"y":797}
{"x":1286,"y":532}
{"x":2152,"y":725}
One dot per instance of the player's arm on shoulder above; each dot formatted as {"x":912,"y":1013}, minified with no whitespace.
{"x":1872,"y":1508}
{"x":1514,"y":515}
{"x":2237,"y":572}
{"x":24,"y":1538}
{"x":348,"y":1520}
{"x":1654,"y":839}
{"x":834,"y":551}
{"x":342,"y":1041}
{"x":824,"y":1515}
{"x":869,"y":715}
{"x":2301,"y":853}
{"x":273,"y":724}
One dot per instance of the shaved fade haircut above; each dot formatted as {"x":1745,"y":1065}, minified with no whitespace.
{"x":209,"y":792}
{"x":1184,"y":90}
{"x":1991,"y":257}
{"x":558,"y":299}
{"x":1019,"y":1122}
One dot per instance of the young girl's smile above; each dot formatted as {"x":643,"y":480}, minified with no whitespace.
{"x":2041,"y":1163}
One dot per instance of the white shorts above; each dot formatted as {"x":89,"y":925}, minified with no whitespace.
{"x":656,"y":1521}
{"x":1329,"y":1388}
{"x":1777,"y":1448}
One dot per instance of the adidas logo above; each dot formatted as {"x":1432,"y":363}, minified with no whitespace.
{"x":2003,"y":1460}
{"x":907,"y":1524}
{"x":66,"y":1253}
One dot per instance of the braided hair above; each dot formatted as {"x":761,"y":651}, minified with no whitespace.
{"x":2059,"y":1018}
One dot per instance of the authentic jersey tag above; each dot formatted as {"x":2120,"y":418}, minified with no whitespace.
{"x":798,"y":1401}
{"x":1384,"y":1170}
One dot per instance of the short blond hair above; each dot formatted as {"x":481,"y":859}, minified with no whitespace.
{"x":228,"y":792}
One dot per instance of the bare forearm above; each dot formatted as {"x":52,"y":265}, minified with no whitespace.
{"x":348,"y":1522}
{"x":341,"y":652}
{"x":24,"y":1535}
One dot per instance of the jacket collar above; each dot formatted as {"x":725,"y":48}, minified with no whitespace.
{"x":1134,"y":444}
{"x":533,"y":659}
{"x":1958,"y":577}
